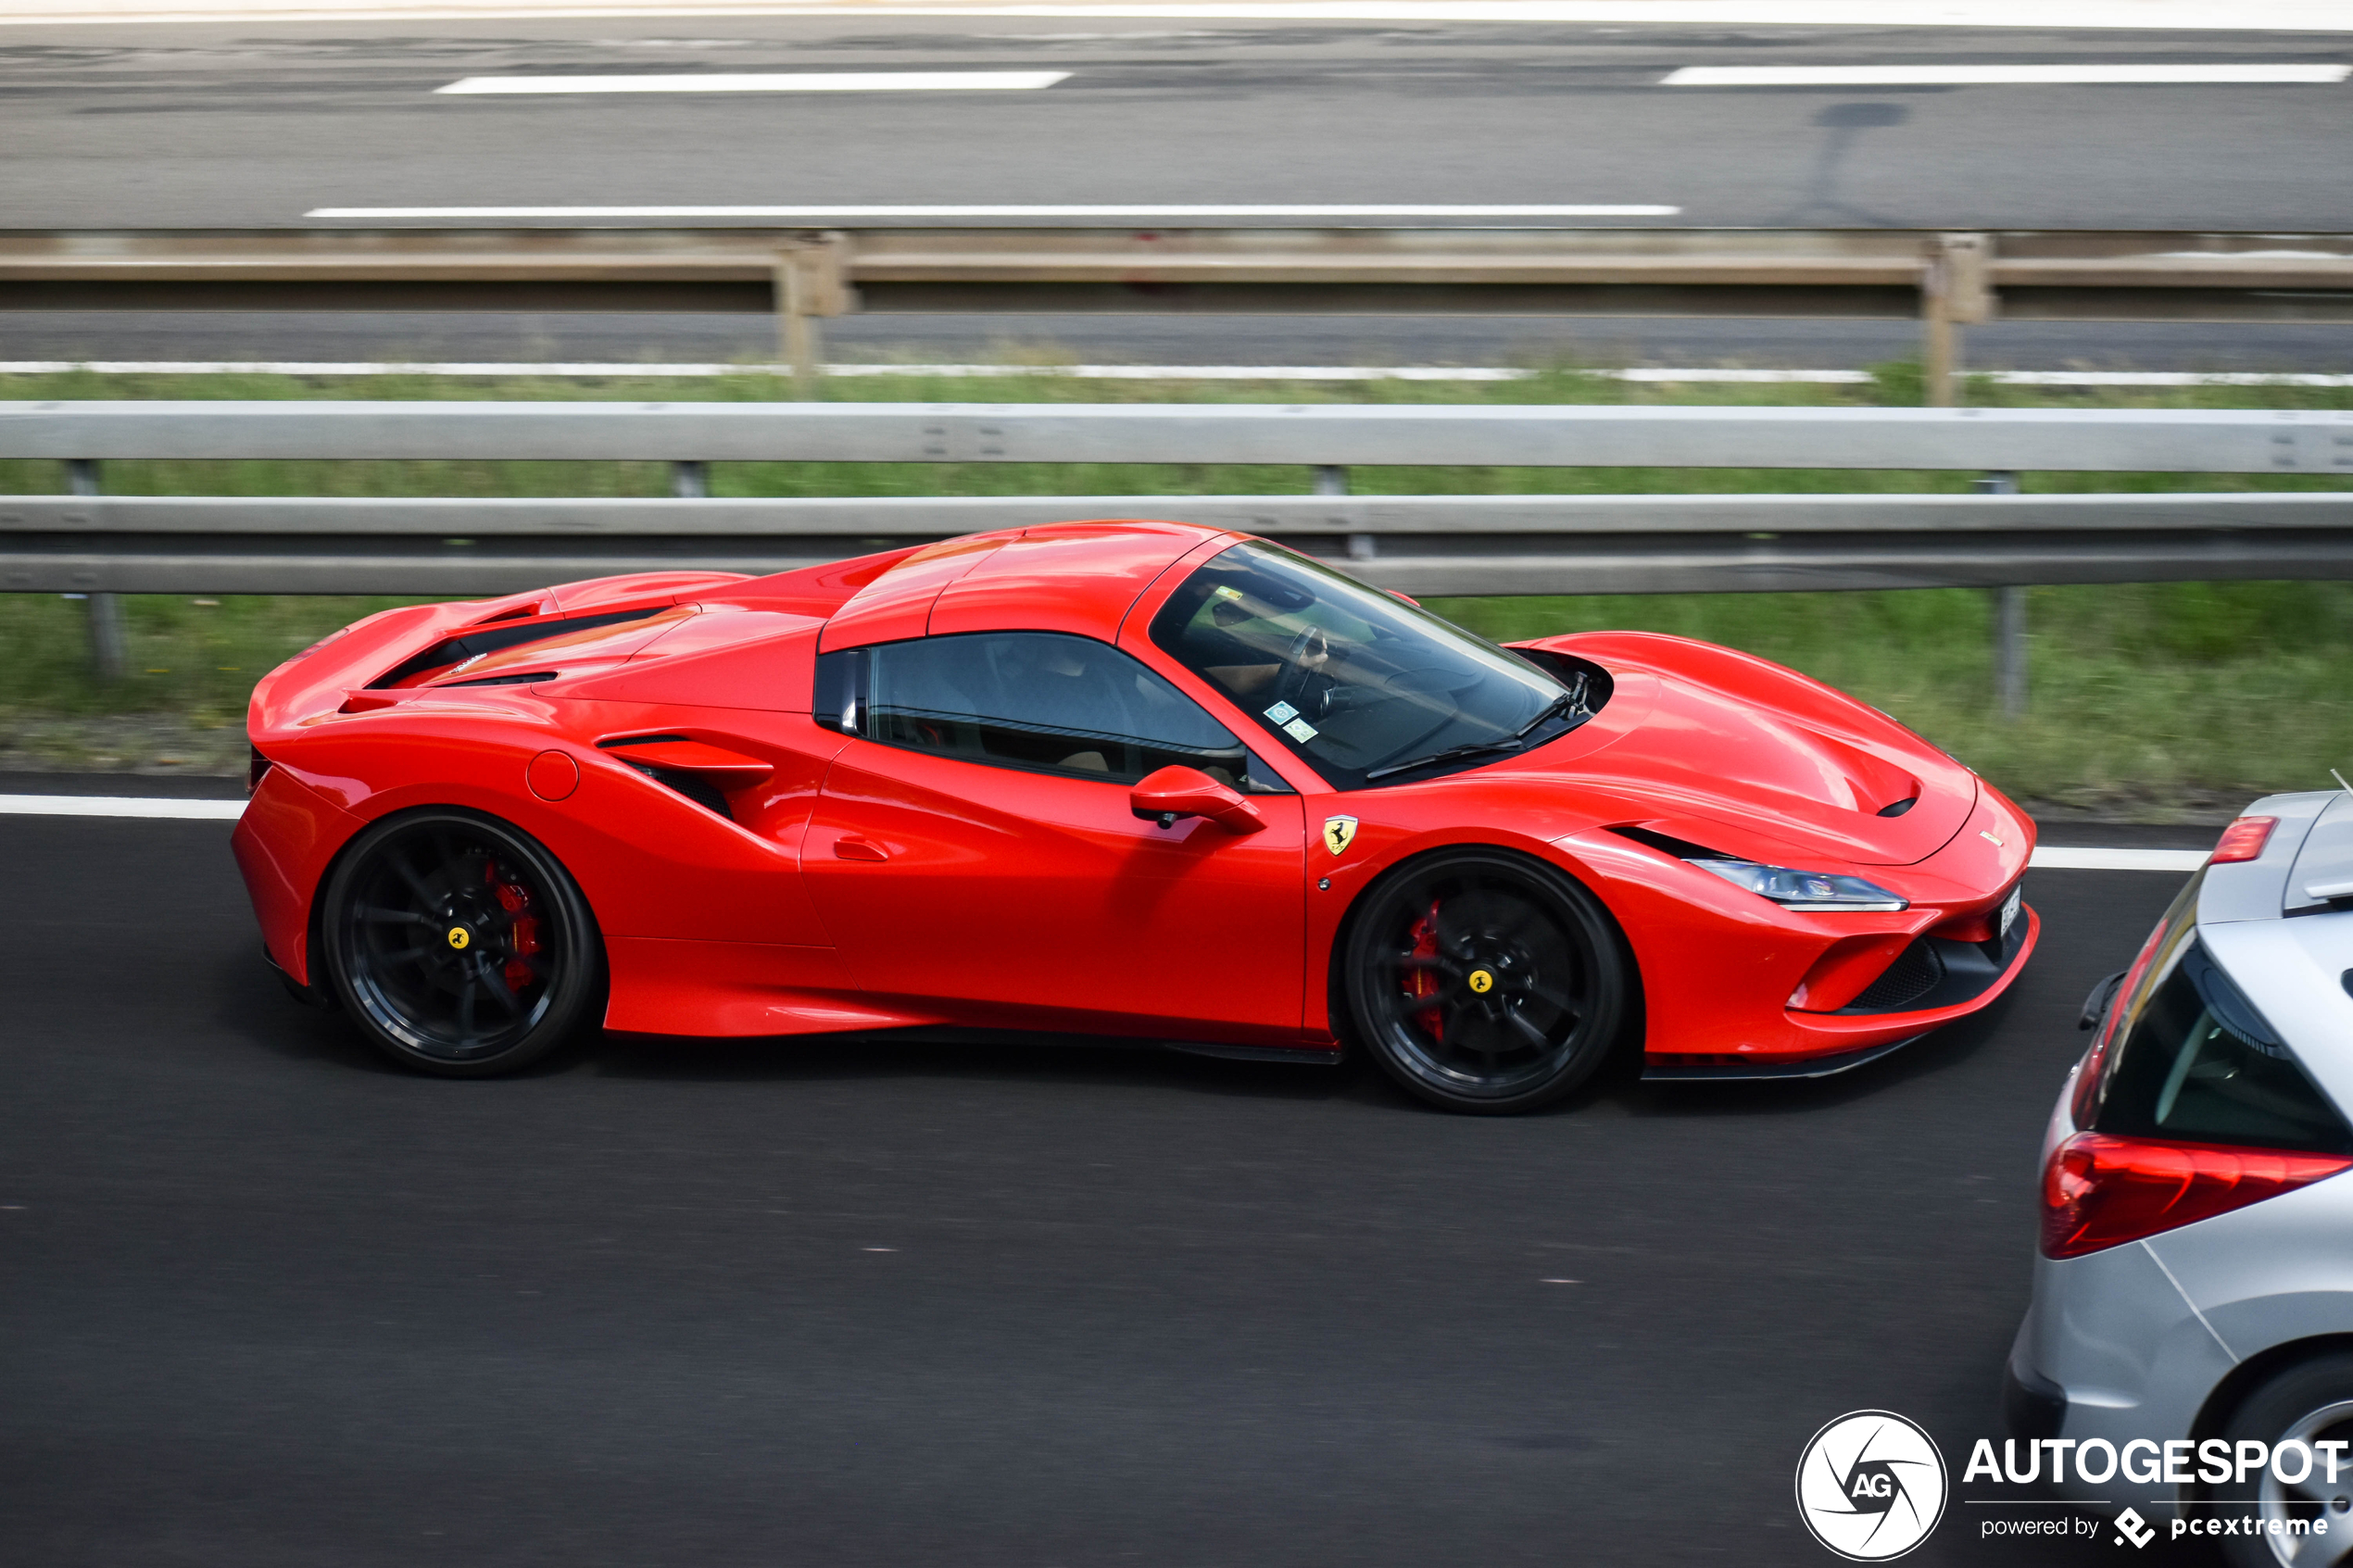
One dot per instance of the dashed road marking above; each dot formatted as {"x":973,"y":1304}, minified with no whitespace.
{"x":763,"y":81}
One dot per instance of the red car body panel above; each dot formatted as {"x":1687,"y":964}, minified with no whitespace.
{"x":864,"y":885}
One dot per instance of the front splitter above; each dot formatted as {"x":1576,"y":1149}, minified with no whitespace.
{"x":1722,"y":1072}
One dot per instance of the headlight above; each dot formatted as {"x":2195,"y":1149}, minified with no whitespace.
{"x":1806,"y":890}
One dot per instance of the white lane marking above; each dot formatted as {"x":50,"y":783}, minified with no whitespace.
{"x":768,"y":82}
{"x":2171,"y":378}
{"x":608,"y":369}
{"x":120,"y":806}
{"x":2243,"y":15}
{"x":1145,"y":212}
{"x":624,"y":368}
{"x":2278,"y":73}
{"x":2055,"y":859}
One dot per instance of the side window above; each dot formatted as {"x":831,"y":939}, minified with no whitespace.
{"x":1041,"y":701}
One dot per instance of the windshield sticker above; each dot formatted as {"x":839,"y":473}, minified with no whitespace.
{"x":1282,"y":713}
{"x":1300,"y":730}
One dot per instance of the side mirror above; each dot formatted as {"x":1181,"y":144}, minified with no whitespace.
{"x":1188,"y":791}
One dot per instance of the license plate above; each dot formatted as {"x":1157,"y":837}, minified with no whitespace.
{"x":2009,"y":913}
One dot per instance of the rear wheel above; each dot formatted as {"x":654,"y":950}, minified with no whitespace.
{"x":2310,"y":1402}
{"x":1485,"y":982}
{"x":459,"y":945}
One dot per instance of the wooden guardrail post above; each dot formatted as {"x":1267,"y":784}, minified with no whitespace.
{"x":813,"y":281}
{"x":1955,"y":291}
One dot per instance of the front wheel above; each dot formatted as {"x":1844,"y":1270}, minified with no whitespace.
{"x":2310,"y":1402}
{"x":1485,"y":982}
{"x":459,"y":945}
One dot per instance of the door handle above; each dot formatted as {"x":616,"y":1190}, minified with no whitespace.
{"x":851,"y":847}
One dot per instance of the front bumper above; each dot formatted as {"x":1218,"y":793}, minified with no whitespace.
{"x":1817,"y":1045}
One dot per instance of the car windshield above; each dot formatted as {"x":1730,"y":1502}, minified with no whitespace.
{"x":1362,"y":685}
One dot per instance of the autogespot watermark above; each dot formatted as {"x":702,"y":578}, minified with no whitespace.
{"x":2095,"y":1461}
{"x":1871,"y":1485}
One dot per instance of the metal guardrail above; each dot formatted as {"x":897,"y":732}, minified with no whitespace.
{"x":1945,"y":279}
{"x":2071,"y":440}
{"x":1481,"y":543}
{"x":1423,"y":545}
{"x":102,"y":546}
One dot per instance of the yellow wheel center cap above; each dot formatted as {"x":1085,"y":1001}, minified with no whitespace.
{"x":1482,"y":981}
{"x":459,"y":936}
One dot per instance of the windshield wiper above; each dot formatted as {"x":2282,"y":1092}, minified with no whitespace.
{"x":1559,"y":707}
{"x":1475,"y":748}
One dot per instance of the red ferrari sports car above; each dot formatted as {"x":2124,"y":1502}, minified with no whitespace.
{"x":1135,"y":779}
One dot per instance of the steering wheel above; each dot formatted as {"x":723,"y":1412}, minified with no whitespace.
{"x":1291,"y":686}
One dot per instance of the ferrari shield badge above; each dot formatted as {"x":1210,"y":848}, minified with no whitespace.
{"x":1338,"y":833}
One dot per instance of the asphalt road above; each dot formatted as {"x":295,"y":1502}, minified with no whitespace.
{"x":257,"y":123}
{"x":266,"y":1301}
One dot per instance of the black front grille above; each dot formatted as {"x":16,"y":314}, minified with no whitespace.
{"x":1915,"y":972}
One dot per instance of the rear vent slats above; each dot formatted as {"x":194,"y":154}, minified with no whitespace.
{"x":492,"y":638}
{"x":521,"y":678}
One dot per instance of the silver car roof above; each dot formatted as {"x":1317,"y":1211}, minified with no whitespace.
{"x":2313,"y":845}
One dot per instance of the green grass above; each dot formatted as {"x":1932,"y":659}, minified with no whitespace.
{"x":194,"y":658}
{"x":2145,"y":699}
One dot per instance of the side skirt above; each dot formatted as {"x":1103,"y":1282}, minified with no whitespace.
{"x":946,"y":1034}
{"x":1320,"y":1057}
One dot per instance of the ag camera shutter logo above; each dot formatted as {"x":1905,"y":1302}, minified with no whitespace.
{"x":1870,"y":1485}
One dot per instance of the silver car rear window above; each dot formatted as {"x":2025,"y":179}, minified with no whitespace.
{"x":2199,"y":1064}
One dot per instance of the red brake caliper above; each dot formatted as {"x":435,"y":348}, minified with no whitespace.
{"x":1422,"y":982}
{"x":515,"y":898}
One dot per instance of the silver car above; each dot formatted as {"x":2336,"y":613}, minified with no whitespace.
{"x":2196,"y":1277}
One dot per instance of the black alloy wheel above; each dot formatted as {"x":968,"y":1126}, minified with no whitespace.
{"x":459,"y":944}
{"x":1484,"y":981}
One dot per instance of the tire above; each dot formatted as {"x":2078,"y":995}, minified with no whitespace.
{"x":2310,"y":1400}
{"x":459,"y":945}
{"x":1485,"y":982}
